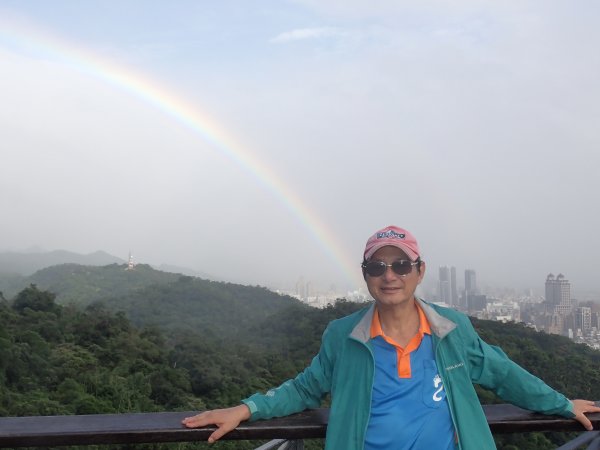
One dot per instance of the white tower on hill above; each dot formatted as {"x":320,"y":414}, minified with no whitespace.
{"x":130,"y":263}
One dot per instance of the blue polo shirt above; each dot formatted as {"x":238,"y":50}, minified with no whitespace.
{"x":408,"y":411}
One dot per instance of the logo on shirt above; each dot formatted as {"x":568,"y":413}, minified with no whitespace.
{"x":455,"y":366}
{"x":439,"y":387}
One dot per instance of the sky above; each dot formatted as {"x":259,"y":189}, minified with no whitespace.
{"x":263,"y":142}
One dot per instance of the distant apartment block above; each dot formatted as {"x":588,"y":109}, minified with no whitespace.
{"x":583,"y":319}
{"x":558,"y":294}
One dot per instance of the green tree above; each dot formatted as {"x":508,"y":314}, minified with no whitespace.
{"x":32,"y":298}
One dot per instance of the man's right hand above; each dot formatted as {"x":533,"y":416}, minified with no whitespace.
{"x":225,"y":420}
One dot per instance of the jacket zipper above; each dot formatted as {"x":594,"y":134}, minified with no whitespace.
{"x":439,"y":358}
{"x":364,"y":344}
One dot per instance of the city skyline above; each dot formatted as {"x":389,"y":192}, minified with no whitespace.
{"x":302,"y":287}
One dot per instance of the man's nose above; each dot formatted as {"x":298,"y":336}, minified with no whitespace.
{"x":389,"y":274}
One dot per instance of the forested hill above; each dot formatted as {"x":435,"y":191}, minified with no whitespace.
{"x":66,"y":359}
{"x":85,"y":284}
{"x":193,"y":304}
{"x":151,"y":297}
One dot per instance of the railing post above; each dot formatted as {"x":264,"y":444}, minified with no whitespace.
{"x":297,"y":444}
{"x":595,"y":444}
{"x":282,"y":444}
{"x":591,"y":437}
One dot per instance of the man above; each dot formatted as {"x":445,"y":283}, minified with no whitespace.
{"x":401,"y":371}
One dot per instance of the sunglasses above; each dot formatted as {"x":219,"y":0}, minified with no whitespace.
{"x":401,"y":267}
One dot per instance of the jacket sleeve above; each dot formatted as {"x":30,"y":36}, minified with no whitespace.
{"x":491,"y":368}
{"x":304,"y":391}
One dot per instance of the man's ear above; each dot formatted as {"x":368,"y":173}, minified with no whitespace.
{"x":421,"y":271}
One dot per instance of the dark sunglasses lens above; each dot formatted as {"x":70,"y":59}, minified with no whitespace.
{"x":375,"y":268}
{"x":401,"y":267}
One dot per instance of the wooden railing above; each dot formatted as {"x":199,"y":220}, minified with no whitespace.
{"x":48,"y":431}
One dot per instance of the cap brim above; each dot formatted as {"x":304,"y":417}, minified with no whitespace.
{"x":410,"y":253}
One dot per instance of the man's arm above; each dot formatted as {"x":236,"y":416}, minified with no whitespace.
{"x":494,"y":370}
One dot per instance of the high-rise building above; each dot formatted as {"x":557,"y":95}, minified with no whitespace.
{"x":301,"y":288}
{"x":477,"y":302}
{"x":549,"y":288}
{"x":470,"y":282}
{"x":453,"y":286}
{"x":583,"y":318}
{"x":445,"y":289}
{"x":470,"y":289}
{"x":558,"y":294}
{"x":554,"y":323}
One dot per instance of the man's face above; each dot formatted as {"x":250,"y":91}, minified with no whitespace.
{"x":391,"y":289}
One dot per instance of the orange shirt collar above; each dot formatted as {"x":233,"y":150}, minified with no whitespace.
{"x":403,"y":354}
{"x":376,"y":329}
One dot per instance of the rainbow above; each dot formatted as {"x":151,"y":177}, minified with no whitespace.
{"x":49,"y":45}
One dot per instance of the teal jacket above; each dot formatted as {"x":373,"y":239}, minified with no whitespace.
{"x":344,"y":367}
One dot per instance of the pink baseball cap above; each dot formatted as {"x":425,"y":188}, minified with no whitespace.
{"x":396,"y":237}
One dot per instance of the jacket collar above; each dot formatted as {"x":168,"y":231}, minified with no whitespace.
{"x":440,"y":325}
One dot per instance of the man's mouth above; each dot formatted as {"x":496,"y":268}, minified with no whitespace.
{"x":390,"y":289}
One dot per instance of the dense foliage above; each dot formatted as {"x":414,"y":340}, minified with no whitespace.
{"x":57,"y":359}
{"x":60,"y":360}
{"x":195,"y":305}
{"x":178,"y":343}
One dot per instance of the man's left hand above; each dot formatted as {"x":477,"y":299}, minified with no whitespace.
{"x":580,"y":407}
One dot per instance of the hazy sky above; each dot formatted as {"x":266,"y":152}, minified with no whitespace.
{"x":261,"y":141}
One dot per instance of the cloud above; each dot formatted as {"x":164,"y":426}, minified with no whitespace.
{"x":492,"y":107}
{"x":307,"y":33}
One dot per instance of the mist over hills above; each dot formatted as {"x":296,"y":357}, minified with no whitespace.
{"x":27,"y":263}
{"x":185,"y":271}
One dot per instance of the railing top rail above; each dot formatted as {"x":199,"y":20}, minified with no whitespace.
{"x":166,"y":427}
